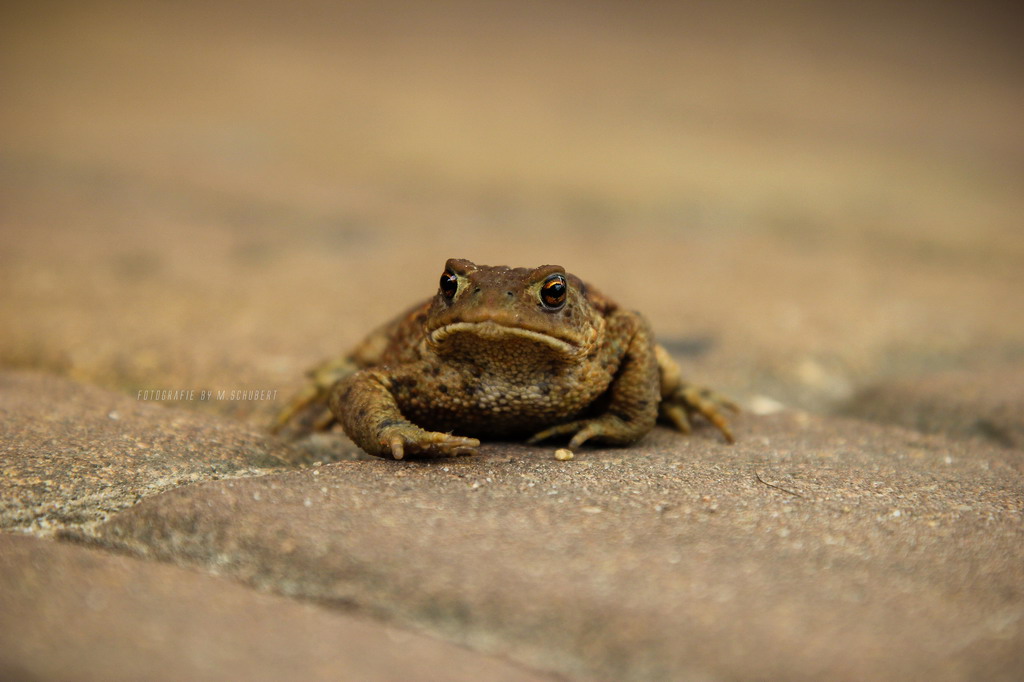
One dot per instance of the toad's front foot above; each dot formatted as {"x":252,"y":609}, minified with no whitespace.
{"x":397,"y":439}
{"x":687,"y":400}
{"x":607,"y":428}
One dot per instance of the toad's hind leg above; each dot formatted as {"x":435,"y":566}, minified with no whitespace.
{"x":315,"y":394}
{"x":681,"y":400}
{"x":368,"y":353}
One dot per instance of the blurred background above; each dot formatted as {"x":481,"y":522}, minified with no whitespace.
{"x":804,"y":198}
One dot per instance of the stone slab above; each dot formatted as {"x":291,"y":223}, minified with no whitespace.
{"x":812,"y":549}
{"x":72,"y":613}
{"x":980,"y":404}
{"x":71,"y":454}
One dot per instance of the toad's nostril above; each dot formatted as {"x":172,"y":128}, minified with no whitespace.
{"x":509,"y":294}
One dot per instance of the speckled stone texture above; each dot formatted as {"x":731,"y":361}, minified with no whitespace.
{"x":68,"y":613}
{"x":811,"y":549}
{"x":71,"y":454}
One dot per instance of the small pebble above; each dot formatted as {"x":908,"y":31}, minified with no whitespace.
{"x":563,"y":454}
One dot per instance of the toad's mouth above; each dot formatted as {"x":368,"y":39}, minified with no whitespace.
{"x":494,"y":332}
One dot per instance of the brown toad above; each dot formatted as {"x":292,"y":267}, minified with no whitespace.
{"x":505,"y":353}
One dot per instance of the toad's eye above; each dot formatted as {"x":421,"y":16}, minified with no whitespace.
{"x":553,"y":291}
{"x":449,"y":284}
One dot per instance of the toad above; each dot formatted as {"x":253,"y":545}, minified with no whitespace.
{"x":505,"y":353}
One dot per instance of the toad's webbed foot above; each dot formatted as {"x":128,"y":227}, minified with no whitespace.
{"x":687,"y":400}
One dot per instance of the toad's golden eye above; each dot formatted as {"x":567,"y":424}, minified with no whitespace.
{"x":449,"y":284}
{"x":553,"y":291}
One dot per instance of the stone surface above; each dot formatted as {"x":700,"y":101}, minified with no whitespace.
{"x":71,"y":454}
{"x":70,"y":613}
{"x":987,"y":405}
{"x":788,"y":188}
{"x":810,"y":549}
